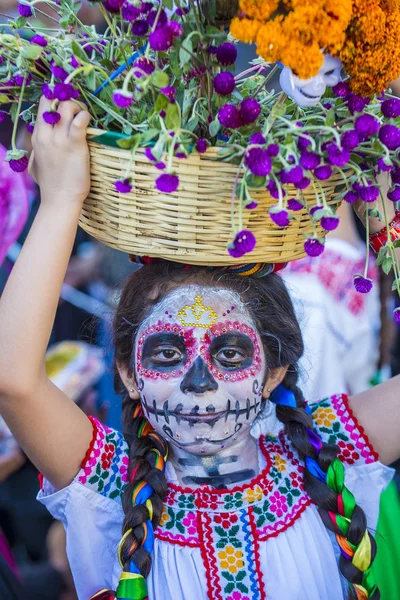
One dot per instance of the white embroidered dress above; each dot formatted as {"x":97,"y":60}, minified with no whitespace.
{"x":260,"y":540}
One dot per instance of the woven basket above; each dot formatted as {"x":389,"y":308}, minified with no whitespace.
{"x":192,"y":225}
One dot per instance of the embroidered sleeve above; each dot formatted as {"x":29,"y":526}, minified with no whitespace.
{"x":105,"y":466}
{"x":335,"y":423}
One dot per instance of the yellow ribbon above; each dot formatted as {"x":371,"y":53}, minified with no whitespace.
{"x":362,"y":556}
{"x":149,"y":506}
{"x":120,"y":546}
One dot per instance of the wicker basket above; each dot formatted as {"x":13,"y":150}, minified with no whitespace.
{"x":192,"y":225}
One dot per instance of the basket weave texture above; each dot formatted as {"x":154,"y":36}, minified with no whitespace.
{"x":194,"y":224}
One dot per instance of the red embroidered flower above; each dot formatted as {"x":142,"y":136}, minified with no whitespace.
{"x":225,"y":519}
{"x":278,"y":504}
{"x":106,"y":457}
{"x":297,"y":481}
{"x":347,"y":453}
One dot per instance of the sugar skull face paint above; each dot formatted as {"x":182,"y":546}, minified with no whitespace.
{"x":200,"y":373}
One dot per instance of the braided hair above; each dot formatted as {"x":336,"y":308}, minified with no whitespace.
{"x":271,"y":308}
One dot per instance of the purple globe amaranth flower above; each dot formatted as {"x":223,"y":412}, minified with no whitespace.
{"x":350,"y":139}
{"x":294,"y":204}
{"x":395,"y":175}
{"x":243,"y":243}
{"x":143,"y":65}
{"x":336,"y":156}
{"x":396,"y":314}
{"x":63,"y":91}
{"x":175,"y":28}
{"x":279,"y":216}
{"x":162,"y":20}
{"x":341,"y":89}
{"x":329,"y":223}
{"x":356,"y":104}
{"x":249,"y":110}
{"x":3,"y":116}
{"x":273,"y":189}
{"x":123,"y":186}
{"x":149,"y":155}
{"x":169,"y":92}
{"x":390,"y":136}
{"x":140,"y":28}
{"x":19,"y":164}
{"x":251,"y":205}
{"x":302,"y":184}
{"x":273,"y":150}
{"x":59,"y":72}
{"x":24,"y":10}
{"x":40,"y":40}
{"x":303,"y":141}
{"x":167,"y":183}
{"x":30,"y":127}
{"x":369,"y":193}
{"x":163,"y":114}
{"x":201,"y":145}
{"x":161,"y":39}
{"x":113,"y":6}
{"x":323,"y":172}
{"x":394,"y":194}
{"x":74,"y":62}
{"x":122,"y":98}
{"x":51,"y":117}
{"x":224,"y":83}
{"x":258,"y":162}
{"x":48,"y":91}
{"x":293,"y":175}
{"x":146,"y":7}
{"x":383,"y":165}
{"x":391,"y":108}
{"x":229,"y":116}
{"x":309,"y":160}
{"x":366,"y":125}
{"x":19,"y":79}
{"x":351,"y":197}
{"x":314,"y":209}
{"x":130,"y":12}
{"x":226,"y":54}
{"x":257,"y":138}
{"x":313,"y":247}
{"x":362,"y":284}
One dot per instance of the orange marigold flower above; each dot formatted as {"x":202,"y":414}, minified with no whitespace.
{"x":259,"y":9}
{"x":305,"y":61}
{"x":270,"y":41}
{"x":245,"y":30}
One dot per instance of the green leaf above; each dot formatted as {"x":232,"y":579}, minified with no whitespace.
{"x":159,"y":79}
{"x":228,"y":576}
{"x":242,"y":588}
{"x":91,"y":80}
{"x":254,"y":181}
{"x":381,"y":255}
{"x":396,"y":243}
{"x":31,"y":52}
{"x":161,"y":103}
{"x":168,"y":3}
{"x":190,"y":125}
{"x":20,"y":22}
{"x":185,"y":52}
{"x":295,"y":492}
{"x":4,"y":99}
{"x":79,"y":52}
{"x":173,"y":117}
{"x":214,"y":127}
{"x":148,"y":135}
{"x":387,"y":265}
{"x":234,"y":530}
{"x":221,"y":531}
{"x":241,"y":575}
{"x":330,"y":117}
{"x":174,"y":65}
{"x":394,"y":286}
{"x":229,"y":588}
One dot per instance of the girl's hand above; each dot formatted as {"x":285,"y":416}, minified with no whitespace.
{"x":59,"y":162}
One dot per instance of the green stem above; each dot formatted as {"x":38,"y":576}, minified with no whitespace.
{"x":367,"y":244}
{"x":265,"y":81}
{"x":15,"y":127}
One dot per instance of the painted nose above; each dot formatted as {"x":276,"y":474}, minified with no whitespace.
{"x":198,"y":379}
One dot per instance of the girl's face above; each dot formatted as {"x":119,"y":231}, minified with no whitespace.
{"x":200,"y":367}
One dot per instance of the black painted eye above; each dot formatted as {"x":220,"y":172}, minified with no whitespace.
{"x":331,"y":72}
{"x":229,"y":355}
{"x":166,"y":355}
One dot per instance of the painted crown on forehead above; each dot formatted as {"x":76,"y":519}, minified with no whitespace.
{"x":197,"y":315}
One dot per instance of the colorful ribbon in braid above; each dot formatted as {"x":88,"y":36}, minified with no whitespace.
{"x":360,"y":555}
{"x":132,"y":585}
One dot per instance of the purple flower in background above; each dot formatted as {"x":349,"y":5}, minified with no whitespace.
{"x":40,"y":40}
{"x":122,"y":98}
{"x":113,"y":6}
{"x":30,"y":127}
{"x":303,"y":141}
{"x":309,"y":160}
{"x":323,"y":172}
{"x":313,"y":247}
{"x":395,"y":175}
{"x":294,"y":204}
{"x":350,"y":139}
{"x":314,"y":209}
{"x":351,"y":197}
{"x":123,"y":186}
{"x":229,"y":116}
{"x":391,"y":108}
{"x":258,"y":138}
{"x":169,"y":92}
{"x":336,"y":156}
{"x":130,"y":12}
{"x":279,"y":216}
{"x":273,"y":150}
{"x":224,"y":83}
{"x":161,"y":39}
{"x":251,"y":205}
{"x":24,"y":10}
{"x":368,"y":193}
{"x":293,"y":175}
{"x":175,"y":28}
{"x":226,"y":54}
{"x":394,"y":194}
{"x":19,"y":79}
{"x":383,"y":165}
{"x":47,"y":91}
{"x":329,"y":223}
{"x":258,"y":162}
{"x":362,"y":284}
{"x":140,"y":28}
{"x":302,"y":184}
{"x":149,"y":155}
{"x":366,"y":125}
{"x":341,"y":89}
{"x":201,"y":145}
{"x":3,"y":116}
{"x":243,"y":243}
{"x":143,"y":65}
{"x":51,"y":117}
{"x":356,"y":104}
{"x":74,"y":62}
{"x":390,"y":136}
{"x":249,"y":110}
{"x":274,"y":190}
{"x":162,"y":20}
{"x":146,"y":7}
{"x":63,"y":91}
{"x":19,"y":164}
{"x":396,"y":314}
{"x":58,"y":72}
{"x":167,"y":183}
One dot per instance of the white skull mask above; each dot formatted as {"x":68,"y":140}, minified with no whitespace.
{"x":308,"y":92}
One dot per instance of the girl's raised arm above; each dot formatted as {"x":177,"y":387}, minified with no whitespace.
{"x":51,"y":429}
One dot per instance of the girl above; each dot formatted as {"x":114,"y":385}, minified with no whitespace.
{"x":211,"y":505}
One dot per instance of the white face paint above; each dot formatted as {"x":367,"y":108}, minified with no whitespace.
{"x":200,"y":366}
{"x":308,"y":92}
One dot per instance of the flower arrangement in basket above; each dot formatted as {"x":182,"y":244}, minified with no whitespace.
{"x":195,"y":163}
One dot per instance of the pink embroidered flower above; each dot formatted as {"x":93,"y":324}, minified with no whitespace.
{"x":124,"y":469}
{"x":278,"y":504}
{"x":190,"y":522}
{"x":237,"y":596}
{"x":225,"y":520}
{"x":106,"y":457}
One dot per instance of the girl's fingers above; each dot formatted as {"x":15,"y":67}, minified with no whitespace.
{"x":42,"y":129}
{"x":31,"y":166}
{"x":67,"y":110}
{"x":80,"y":122}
